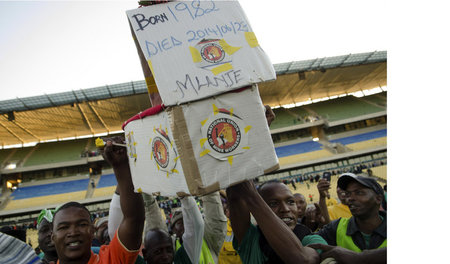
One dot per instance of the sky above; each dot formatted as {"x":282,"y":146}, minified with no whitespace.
{"x":56,"y":46}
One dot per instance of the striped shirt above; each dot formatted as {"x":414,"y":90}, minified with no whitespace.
{"x":13,"y":250}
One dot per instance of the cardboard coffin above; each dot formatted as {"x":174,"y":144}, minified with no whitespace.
{"x":200,"y":147}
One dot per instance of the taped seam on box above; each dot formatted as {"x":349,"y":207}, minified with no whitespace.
{"x":209,"y":189}
{"x":273,"y":168}
{"x":185,"y":149}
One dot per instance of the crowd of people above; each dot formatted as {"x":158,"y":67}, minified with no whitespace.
{"x":246,"y":223}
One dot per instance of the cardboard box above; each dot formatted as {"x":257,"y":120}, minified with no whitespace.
{"x":202,"y":146}
{"x":197,"y":49}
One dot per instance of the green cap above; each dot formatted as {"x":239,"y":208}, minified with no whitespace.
{"x":46,"y":214}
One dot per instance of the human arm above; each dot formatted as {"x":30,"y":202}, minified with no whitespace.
{"x":314,"y":218}
{"x":323,"y":187}
{"x":279,"y":236}
{"x":153,"y":216}
{"x":215,"y":221}
{"x":239,"y":213}
{"x":115,"y":214}
{"x":193,"y":228}
{"x":270,"y":115}
{"x":131,"y":203}
{"x":346,"y":256}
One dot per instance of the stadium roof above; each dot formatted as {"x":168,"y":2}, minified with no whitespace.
{"x":99,"y":110}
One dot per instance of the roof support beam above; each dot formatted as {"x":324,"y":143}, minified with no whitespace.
{"x":26,"y":130}
{"x":12,"y":133}
{"x":85,"y":118}
{"x":98,"y":116}
{"x":23,"y":128}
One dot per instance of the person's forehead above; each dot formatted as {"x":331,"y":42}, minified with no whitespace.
{"x":44,"y":224}
{"x":71,"y":214}
{"x":157,"y":240}
{"x":299,"y":197}
{"x":276,"y":191}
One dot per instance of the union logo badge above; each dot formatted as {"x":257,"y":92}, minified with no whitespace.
{"x":160,"y":153}
{"x":224,"y":135}
{"x":163,"y":151}
{"x":212,"y":52}
{"x":214,"y":55}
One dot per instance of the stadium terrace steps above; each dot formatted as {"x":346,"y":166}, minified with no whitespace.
{"x":4,"y":156}
{"x":310,"y":150}
{"x":18,"y":155}
{"x":379,"y":99}
{"x":59,"y":192}
{"x":107,"y":180}
{"x":284,"y":119}
{"x":361,"y":137}
{"x":45,"y":200}
{"x":379,"y":172}
{"x":339,"y":109}
{"x":50,"y":189}
{"x":343,"y":108}
{"x":55,"y":152}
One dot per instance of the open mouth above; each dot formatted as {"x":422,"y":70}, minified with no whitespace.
{"x":287,"y":220}
{"x":74,"y":245}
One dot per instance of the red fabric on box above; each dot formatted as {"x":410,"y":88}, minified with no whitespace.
{"x":148,"y":112}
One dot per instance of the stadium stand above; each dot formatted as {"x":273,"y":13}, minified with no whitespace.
{"x":379,"y":172}
{"x":284,"y":118}
{"x":18,"y":155}
{"x":55,"y":152}
{"x":105,"y":186}
{"x":343,"y":108}
{"x":379,"y":99}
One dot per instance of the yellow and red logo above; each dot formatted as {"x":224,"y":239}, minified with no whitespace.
{"x":224,"y":135}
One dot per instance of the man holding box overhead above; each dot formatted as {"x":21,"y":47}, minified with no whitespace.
{"x":73,"y":229}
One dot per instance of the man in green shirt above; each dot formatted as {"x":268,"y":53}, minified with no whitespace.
{"x":278,"y":237}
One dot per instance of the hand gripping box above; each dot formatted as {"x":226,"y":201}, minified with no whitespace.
{"x":202,"y":146}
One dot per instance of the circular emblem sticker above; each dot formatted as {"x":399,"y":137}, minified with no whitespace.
{"x":224,"y":135}
{"x":212,"y":52}
{"x":160,"y":152}
{"x":163,"y":152}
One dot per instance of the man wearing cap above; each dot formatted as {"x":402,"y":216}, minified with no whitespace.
{"x":101,"y":236}
{"x":44,"y":227}
{"x":361,"y":238}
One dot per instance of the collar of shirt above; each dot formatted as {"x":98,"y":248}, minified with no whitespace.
{"x":380,"y":230}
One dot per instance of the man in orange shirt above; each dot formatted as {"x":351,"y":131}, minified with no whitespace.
{"x":73,"y":229}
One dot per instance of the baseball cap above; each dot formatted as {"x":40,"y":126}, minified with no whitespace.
{"x":177,"y":215}
{"x":370,"y":183}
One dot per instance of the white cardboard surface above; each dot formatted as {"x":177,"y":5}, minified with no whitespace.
{"x":229,"y":136}
{"x":197,"y":49}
